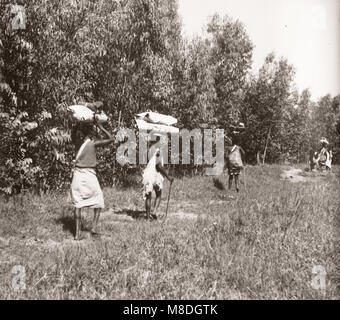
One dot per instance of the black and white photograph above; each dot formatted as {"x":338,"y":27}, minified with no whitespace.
{"x":169,"y":150}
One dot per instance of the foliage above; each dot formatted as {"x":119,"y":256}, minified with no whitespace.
{"x":267,"y":97}
{"x":130,"y":54}
{"x":115,"y":51}
{"x":324,"y":120}
{"x":231,"y":54}
{"x":296,"y":134}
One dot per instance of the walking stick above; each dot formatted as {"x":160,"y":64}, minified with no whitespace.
{"x":167,"y":205}
{"x":244,"y":178}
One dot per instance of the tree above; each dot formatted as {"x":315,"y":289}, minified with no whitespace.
{"x":324,"y":120}
{"x":198,"y":87}
{"x":267,"y":95}
{"x":231,"y":54}
{"x":295,"y":133}
{"x":122,"y":52}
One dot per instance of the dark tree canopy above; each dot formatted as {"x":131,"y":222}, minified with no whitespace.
{"x":130,"y":54}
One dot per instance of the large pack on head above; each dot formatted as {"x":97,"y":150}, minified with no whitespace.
{"x":88,"y":112}
{"x":157,"y":118}
{"x":156,"y":122}
{"x":234,"y":158}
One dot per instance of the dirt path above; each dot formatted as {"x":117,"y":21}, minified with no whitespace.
{"x":293,"y":175}
{"x":187,"y":211}
{"x":184,"y":210}
{"x":298,"y":175}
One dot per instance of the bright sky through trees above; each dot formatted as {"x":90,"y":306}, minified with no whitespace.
{"x":307,"y":32}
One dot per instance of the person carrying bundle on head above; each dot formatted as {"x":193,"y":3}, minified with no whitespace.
{"x":323,"y":159}
{"x":85,"y":188}
{"x":153,"y":177}
{"x":234,"y":163}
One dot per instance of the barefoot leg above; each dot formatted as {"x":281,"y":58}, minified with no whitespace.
{"x":157,"y":201}
{"x":236,"y":182}
{"x":77,"y":218}
{"x":230,"y":181}
{"x":96,"y":215}
{"x":148,"y":205}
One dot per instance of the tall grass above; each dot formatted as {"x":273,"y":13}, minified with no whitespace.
{"x":261,"y":245}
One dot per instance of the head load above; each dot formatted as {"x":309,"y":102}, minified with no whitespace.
{"x":88,"y":112}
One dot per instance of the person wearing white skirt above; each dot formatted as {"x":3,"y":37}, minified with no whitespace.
{"x":85,"y":188}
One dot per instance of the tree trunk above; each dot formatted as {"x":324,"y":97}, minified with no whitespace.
{"x":266,"y":147}
{"x":119,"y":118}
{"x":258,"y":157}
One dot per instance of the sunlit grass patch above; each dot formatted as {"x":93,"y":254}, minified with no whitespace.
{"x":261,"y":243}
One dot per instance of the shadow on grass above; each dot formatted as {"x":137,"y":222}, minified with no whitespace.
{"x":68,"y":224}
{"x":135,"y":214}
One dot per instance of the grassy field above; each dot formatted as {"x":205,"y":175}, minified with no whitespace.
{"x":259,"y":244}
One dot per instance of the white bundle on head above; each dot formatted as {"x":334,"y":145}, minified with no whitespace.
{"x":157,"y":118}
{"x":156,"y":122}
{"x":84,"y":114}
{"x":324,"y":140}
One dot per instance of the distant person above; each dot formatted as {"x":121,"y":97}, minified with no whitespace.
{"x":85,"y":188}
{"x":313,"y":160}
{"x":323,"y":154}
{"x":234,"y":164}
{"x":153,"y":177}
{"x":329,"y":160}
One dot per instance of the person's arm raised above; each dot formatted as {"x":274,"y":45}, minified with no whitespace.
{"x":110,"y":138}
{"x":103,"y":142}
